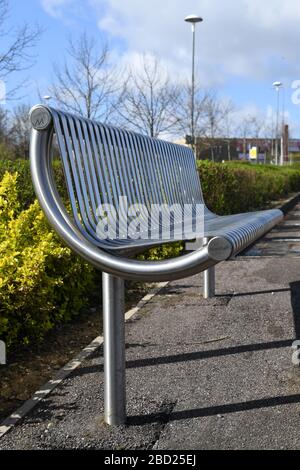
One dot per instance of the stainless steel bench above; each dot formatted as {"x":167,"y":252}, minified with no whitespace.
{"x":101,"y":164}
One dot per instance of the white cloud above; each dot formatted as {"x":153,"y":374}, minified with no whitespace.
{"x":55,"y":8}
{"x":248,"y":38}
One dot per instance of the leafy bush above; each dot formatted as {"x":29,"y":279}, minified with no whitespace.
{"x":162,"y":252}
{"x":240,"y":187}
{"x":42,"y":283}
{"x":24,"y":184}
{"x":5,"y":152}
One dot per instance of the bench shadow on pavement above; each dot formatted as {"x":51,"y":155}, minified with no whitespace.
{"x":260,"y":292}
{"x":206,"y":354}
{"x":190,"y":356}
{"x":213,"y":410}
{"x":240,"y":406}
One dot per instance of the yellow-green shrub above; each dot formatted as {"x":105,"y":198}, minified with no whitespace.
{"x":41,"y":282}
{"x":26,"y":195}
{"x":162,"y":252}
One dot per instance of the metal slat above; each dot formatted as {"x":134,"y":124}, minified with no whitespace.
{"x":124,"y":166}
{"x":79,"y":180}
{"x":165,"y":172}
{"x":172,"y":175}
{"x":94,"y":190}
{"x":139,"y":162}
{"x":112,"y":182}
{"x":67,"y":171}
{"x":100,"y":147}
{"x":185,"y":176}
{"x":119,"y":176}
{"x":194,"y":175}
{"x":137,"y":181}
{"x":178,"y":165}
{"x":147,"y":162}
{"x":81,"y":159}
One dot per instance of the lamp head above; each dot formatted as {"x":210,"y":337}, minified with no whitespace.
{"x":193,"y":19}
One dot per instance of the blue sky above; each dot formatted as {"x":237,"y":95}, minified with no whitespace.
{"x":242,"y":45}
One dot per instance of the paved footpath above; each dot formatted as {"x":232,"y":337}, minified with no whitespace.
{"x":201,"y":374}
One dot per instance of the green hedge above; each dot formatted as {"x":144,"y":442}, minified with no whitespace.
{"x":42,"y":283}
{"x":231,"y":188}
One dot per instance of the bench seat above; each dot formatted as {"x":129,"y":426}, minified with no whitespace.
{"x":240,"y":229}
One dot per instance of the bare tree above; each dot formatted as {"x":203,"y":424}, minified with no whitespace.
{"x":251,"y":126}
{"x":268,"y":134}
{"x":3,"y":125}
{"x":257,"y":125}
{"x":183,"y":110}
{"x":86,"y":84}
{"x":17,"y":55}
{"x":20,"y":131}
{"x":214,"y":116}
{"x":148,"y":102}
{"x":6,"y":150}
{"x":228,"y":124}
{"x":245,"y":130}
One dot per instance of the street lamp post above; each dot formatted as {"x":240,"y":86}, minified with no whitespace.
{"x":277,"y":86}
{"x":283,"y":148}
{"x":193,"y":19}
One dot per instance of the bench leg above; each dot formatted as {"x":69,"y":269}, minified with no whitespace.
{"x":209,"y":283}
{"x":208,"y":279}
{"x":114,"y":350}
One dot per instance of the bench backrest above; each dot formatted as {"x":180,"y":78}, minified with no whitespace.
{"x":102,"y":163}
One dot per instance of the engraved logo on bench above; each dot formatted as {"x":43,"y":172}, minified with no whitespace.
{"x":40,"y":119}
{"x":39,"y":122}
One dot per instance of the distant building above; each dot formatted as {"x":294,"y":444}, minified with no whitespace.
{"x":221,"y":149}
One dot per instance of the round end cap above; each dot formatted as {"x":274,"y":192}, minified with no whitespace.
{"x":219,"y":248}
{"x":40,"y":118}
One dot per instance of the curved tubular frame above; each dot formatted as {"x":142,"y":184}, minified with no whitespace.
{"x":218,"y":249}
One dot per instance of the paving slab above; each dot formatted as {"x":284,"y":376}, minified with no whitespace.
{"x":201,"y":374}
{"x":283,"y":240}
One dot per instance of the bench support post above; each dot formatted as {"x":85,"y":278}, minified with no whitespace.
{"x":208,"y":279}
{"x":209,"y":283}
{"x":114,"y":350}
